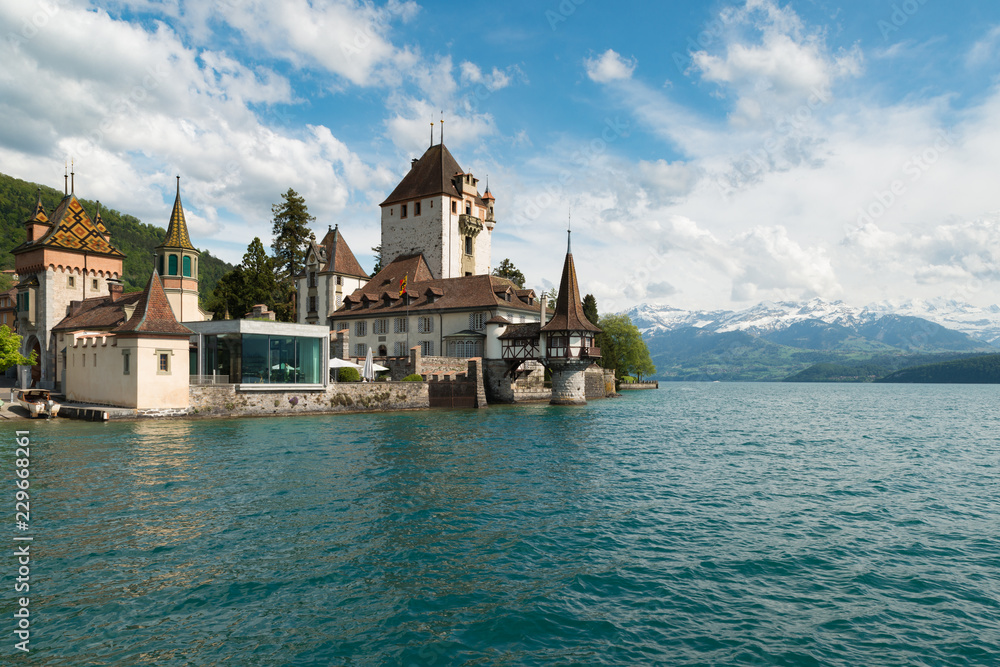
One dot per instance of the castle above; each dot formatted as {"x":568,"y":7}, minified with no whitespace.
{"x":434,"y":300}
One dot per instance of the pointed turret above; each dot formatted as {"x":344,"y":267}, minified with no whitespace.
{"x":176,"y":261}
{"x":177,"y":231}
{"x":38,"y":224}
{"x":569,"y":339}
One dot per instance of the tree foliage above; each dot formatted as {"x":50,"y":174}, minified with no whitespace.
{"x":10,"y":355}
{"x":290,"y":227}
{"x":622,"y":347}
{"x":510,"y":272}
{"x":590,"y":308}
{"x":378,"y":259}
{"x":252,"y":282}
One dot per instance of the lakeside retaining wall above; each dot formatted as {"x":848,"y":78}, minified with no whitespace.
{"x":227,"y":400}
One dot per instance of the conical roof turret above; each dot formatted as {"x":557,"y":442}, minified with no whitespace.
{"x":177,"y":232}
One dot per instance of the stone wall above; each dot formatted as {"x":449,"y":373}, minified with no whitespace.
{"x":226,"y":400}
{"x":529,"y":385}
{"x":600,"y":382}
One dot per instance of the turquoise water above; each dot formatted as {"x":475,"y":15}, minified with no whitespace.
{"x":701,"y":524}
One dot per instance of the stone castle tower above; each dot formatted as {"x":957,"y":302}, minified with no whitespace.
{"x":65,"y":258}
{"x":437,"y":211}
{"x":176,"y":261}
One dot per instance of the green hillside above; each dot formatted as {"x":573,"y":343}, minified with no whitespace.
{"x":128,"y":234}
{"x":983,"y":369}
{"x":869,"y":369}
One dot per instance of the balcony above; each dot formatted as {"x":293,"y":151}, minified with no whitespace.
{"x":469,"y":224}
{"x":591,"y":352}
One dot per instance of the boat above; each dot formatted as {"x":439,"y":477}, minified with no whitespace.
{"x":38,"y":402}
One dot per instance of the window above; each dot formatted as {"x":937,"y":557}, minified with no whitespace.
{"x":341,"y":326}
{"x":159,"y":265}
{"x":163,"y":361}
{"x":402,"y":211}
{"x":93,"y":284}
{"x":468,"y":208}
{"x":454,"y":207}
{"x":172,"y":265}
{"x":416,"y":208}
{"x":427,"y":348}
{"x":312,"y":279}
{"x":339,"y":300}
{"x":71,"y":281}
{"x":340,"y":280}
{"x":312,"y":304}
{"x":360,"y":350}
{"x":187,"y":267}
{"x":126,"y":362}
{"x":477,"y":321}
{"x":468,"y":245}
{"x":425,"y":325}
{"x":95,"y":360}
{"x":83,"y":358}
{"x":360,"y":328}
{"x":399,"y":325}
{"x":399,"y":349}
{"x":380,"y":327}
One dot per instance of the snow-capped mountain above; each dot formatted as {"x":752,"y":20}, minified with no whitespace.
{"x":982,"y":324}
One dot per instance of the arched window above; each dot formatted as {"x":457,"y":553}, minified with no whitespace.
{"x":172,"y":265}
{"x":187,"y":266}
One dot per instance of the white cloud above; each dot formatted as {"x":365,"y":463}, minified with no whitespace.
{"x":609,"y":66}
{"x":984,"y":50}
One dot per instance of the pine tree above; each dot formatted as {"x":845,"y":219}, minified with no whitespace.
{"x":509,"y":271}
{"x":590,"y":308}
{"x":378,"y":259}
{"x":291,"y":233}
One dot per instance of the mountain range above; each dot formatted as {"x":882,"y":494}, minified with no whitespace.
{"x":775,"y":340}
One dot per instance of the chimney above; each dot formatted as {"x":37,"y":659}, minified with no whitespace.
{"x":545,"y":305}
{"x":413,"y":162}
{"x":115,"y":288}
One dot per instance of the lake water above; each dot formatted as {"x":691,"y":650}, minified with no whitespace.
{"x":700,"y":524}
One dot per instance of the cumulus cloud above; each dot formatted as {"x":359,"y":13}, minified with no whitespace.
{"x":771,"y":62}
{"x":609,"y":66}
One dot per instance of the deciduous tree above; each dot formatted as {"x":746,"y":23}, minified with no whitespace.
{"x":10,"y":355}
{"x":622,"y":347}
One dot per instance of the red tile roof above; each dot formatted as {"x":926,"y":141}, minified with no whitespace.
{"x":97,"y":313}
{"x":153,"y":315}
{"x":433,"y":174}
{"x":428,"y":293}
{"x":339,"y":258}
{"x":568,"y":315}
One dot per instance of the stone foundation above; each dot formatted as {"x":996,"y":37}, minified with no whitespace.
{"x":569,"y":381}
{"x":227,"y":401}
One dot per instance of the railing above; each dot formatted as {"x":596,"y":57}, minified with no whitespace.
{"x":201,"y":380}
{"x":592,"y":352}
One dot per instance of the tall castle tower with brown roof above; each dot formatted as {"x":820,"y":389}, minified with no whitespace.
{"x":437,"y":211}
{"x":176,"y":261}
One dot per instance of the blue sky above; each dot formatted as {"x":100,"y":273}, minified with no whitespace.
{"x":713,"y":154}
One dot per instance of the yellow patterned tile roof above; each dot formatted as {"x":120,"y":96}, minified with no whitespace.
{"x":72,"y":228}
{"x":177,"y":231}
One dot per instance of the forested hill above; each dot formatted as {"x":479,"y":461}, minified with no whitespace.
{"x":983,"y":369}
{"x":129,"y":234}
